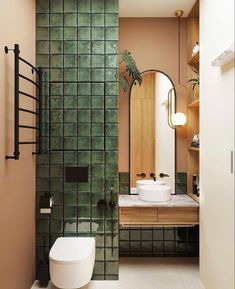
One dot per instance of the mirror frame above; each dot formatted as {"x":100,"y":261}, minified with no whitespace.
{"x":129,"y":120}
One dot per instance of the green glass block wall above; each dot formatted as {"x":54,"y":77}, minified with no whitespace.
{"x":77,"y":45}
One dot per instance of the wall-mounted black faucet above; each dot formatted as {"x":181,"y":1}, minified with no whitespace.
{"x":141,"y":175}
{"x":152,"y":175}
{"x":162,"y":175}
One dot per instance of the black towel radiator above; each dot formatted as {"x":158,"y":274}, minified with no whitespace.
{"x":18,"y":109}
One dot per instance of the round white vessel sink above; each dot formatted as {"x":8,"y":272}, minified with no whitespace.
{"x":155,"y":193}
{"x":140,"y":183}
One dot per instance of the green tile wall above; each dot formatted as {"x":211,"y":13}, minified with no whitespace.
{"x":77,"y":45}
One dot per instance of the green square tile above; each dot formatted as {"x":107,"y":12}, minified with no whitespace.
{"x":84,"y":47}
{"x":56,"y":185}
{"x":42,"y":226}
{"x":70,"y":6}
{"x":56,"y":143}
{"x":111,"y":267}
{"x":56,"y":61}
{"x":84,"y":6}
{"x":56,"y":33}
{"x":42,"y":171}
{"x":56,"y":116}
{"x":97,"y":116}
{"x":70,"y":47}
{"x":70,"y":199}
{"x":84,"y":212}
{"x":83,"y":102}
{"x":84,"y":20}
{"x":84,"y":129}
{"x":99,"y":256}
{"x":181,"y":178}
{"x":56,"y":171}
{"x":70,"y":19}
{"x":56,"y":20}
{"x":111,"y":116}
{"x":98,"y":61}
{"x":111,"y":33}
{"x":56,"y":74}
{"x":70,"y":158}
{"x":56,"y":6}
{"x":56,"y":158}
{"x":84,"y":61}
{"x":42,"y":6}
{"x":97,"y":74}
{"x":70,"y":187}
{"x":42,"y":20}
{"x":98,"y":185}
{"x":56,"y":47}
{"x":42,"y":33}
{"x":56,"y":89}
{"x":70,"y":74}
{"x":98,"y":33}
{"x":84,"y":89}
{"x":70,"y":212}
{"x":70,"y":61}
{"x":84,"y":33}
{"x":42,"y":47}
{"x":70,"y":143}
{"x":111,"y":47}
{"x":112,"y":6}
{"x":98,"y":89}
{"x":111,"y":143}
{"x":70,"y":227}
{"x":97,"y":143}
{"x":70,"y":102}
{"x":70,"y":116}
{"x":111,"y":129}
{"x":83,"y":143}
{"x":97,"y":102}
{"x":70,"y":129}
{"x":111,"y":20}
{"x":97,"y":130}
{"x":84,"y":116}
{"x":70,"y":33}
{"x":97,"y":172}
{"x":84,"y":75}
{"x":83,"y":198}
{"x":97,"y":158}
{"x":124,"y":177}
{"x":98,"y":6}
{"x":98,"y":47}
{"x":84,"y":158}
{"x":111,"y":74}
{"x":98,"y":20}
{"x":111,"y":61}
{"x":56,"y":102}
{"x":112,"y":88}
{"x":70,"y":89}
{"x":111,"y":171}
{"x":99,"y":268}
{"x":56,"y":129}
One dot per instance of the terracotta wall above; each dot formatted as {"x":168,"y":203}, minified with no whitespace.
{"x":153,"y":44}
{"x":17,"y":177}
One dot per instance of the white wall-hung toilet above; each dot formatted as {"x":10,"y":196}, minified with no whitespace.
{"x":72,"y":262}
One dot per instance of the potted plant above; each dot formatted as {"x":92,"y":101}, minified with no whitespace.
{"x":195,"y":81}
{"x":130,"y":73}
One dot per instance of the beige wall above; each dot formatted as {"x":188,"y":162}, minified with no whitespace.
{"x":153,"y":44}
{"x":17,"y":178}
{"x":216,"y":144}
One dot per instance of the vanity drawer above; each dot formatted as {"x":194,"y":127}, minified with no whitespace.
{"x":138,"y":215}
{"x":178,"y":215}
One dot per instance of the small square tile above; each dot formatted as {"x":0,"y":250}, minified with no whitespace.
{"x":111,"y":47}
{"x":112,"y":6}
{"x":98,"y":33}
{"x":97,"y":102}
{"x":84,"y":143}
{"x":56,"y":47}
{"x":70,"y":129}
{"x":84,"y":75}
{"x":111,"y":102}
{"x":70,"y":116}
{"x":84,"y":20}
{"x":111,"y":33}
{"x":84,"y":6}
{"x":84,"y":89}
{"x":111,"y":116}
{"x":111,"y":61}
{"x":111,"y":20}
{"x":56,"y":6}
{"x":70,"y":74}
{"x":111,"y":75}
{"x":56,"y":20}
{"x":84,"y":129}
{"x":84,"y":116}
{"x":56,"y":74}
{"x":84,"y":47}
{"x":98,"y":89}
{"x":42,"y":20}
{"x":98,"y":20}
{"x":70,"y":88}
{"x":56,"y":61}
{"x":70,"y":212}
{"x":97,"y":6}
{"x":112,"y":88}
{"x":42,"y":6}
{"x":70,"y":158}
{"x":97,"y":47}
{"x":97,"y":74}
{"x":42,"y":47}
{"x":98,"y":61}
{"x":70,"y":61}
{"x":84,"y":61}
{"x":97,"y":130}
{"x":70,"y":33}
{"x":84,"y":33}
{"x":70,"y":47}
{"x":97,"y":143}
{"x":97,"y":116}
{"x":56,"y":33}
{"x":83,"y":102}
{"x":42,"y":33}
{"x":70,"y":143}
{"x":70,"y":19}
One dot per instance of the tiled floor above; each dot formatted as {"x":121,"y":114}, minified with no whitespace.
{"x":152,"y":273}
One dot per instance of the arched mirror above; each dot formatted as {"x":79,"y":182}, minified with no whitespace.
{"x":152,"y":141}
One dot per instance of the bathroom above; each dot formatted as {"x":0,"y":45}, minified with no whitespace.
{"x":81,"y":182}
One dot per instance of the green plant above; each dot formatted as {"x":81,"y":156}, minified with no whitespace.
{"x":131,"y":71}
{"x":195,"y":81}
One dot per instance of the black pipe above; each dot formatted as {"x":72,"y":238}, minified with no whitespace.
{"x":29,"y":64}
{"x":28,"y":79}
{"x":28,"y":126}
{"x":28,"y":95}
{"x":40,"y":109}
{"x":16,"y":60}
{"x":27,"y":110}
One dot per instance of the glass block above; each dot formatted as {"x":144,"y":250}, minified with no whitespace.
{"x":97,"y":143}
{"x":56,"y":74}
{"x":70,"y":116}
{"x":111,"y":102}
{"x":56,"y":33}
{"x":56,"y":171}
{"x":42,"y":47}
{"x":56,"y":157}
{"x":70,"y":33}
{"x":83,"y":143}
{"x":43,"y":60}
{"x":84,"y":75}
{"x":98,"y":89}
{"x":56,"y":129}
{"x":70,"y":212}
{"x":56,"y":102}
{"x":56,"y":226}
{"x":84,"y":33}
{"x":111,"y":158}
{"x":111,"y":75}
{"x":70,"y":101}
{"x":111,"y":130}
{"x":84,"y":20}
{"x":70,"y":226}
{"x":70,"y":47}
{"x":83,"y":212}
{"x":84,"y":158}
{"x":111,"y":33}
{"x":111,"y":61}
{"x":56,"y":116}
{"x":111,"y":116}
{"x":112,"y":88}
{"x":98,"y":47}
{"x":84,"y":129}
{"x":84,"y":47}
{"x":111,"y":267}
{"x":97,"y":129}
{"x":111,"y":47}
{"x":70,"y":158}
{"x":84,"y":116}
{"x":83,"y":102}
{"x":56,"y":20}
{"x":111,"y":143}
{"x":56,"y":61}
{"x":97,"y":158}
{"x":97,"y":116}
{"x":56,"y":89}
{"x":70,"y":89}
{"x":112,"y":6}
{"x":70,"y":19}
{"x":111,"y":171}
{"x":84,"y":89}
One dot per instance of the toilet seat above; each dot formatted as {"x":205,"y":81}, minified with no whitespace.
{"x":72,"y":261}
{"x":70,"y":250}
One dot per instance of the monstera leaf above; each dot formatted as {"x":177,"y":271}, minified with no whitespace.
{"x":130,"y":69}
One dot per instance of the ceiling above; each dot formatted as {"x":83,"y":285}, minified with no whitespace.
{"x":154,"y":8}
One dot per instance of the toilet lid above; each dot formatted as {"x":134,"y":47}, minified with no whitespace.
{"x":67,"y":249}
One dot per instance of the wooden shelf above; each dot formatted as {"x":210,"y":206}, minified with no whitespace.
{"x":195,"y":103}
{"x":194,"y":197}
{"x":194,"y":149}
{"x":194,"y":61}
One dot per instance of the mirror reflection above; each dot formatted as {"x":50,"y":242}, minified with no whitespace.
{"x":152,"y":141}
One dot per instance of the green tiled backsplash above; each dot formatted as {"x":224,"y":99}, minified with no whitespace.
{"x":77,"y":45}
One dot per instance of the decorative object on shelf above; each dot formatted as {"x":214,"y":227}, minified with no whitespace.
{"x":195,"y":185}
{"x":195,"y":81}
{"x":195,"y":142}
{"x":225,"y":57}
{"x":131,"y":72}
{"x":195,"y":49}
{"x":176,"y":119}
